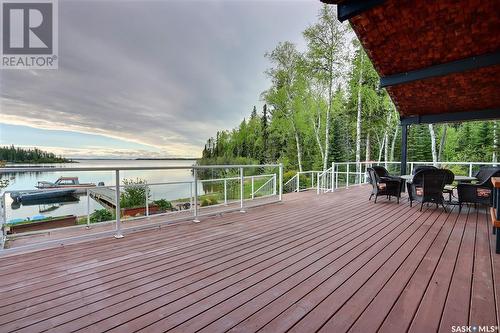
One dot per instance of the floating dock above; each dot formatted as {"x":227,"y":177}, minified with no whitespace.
{"x":105,"y":196}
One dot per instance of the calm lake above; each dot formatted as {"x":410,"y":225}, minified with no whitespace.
{"x":78,"y":204}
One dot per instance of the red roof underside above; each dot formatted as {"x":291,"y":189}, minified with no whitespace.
{"x":403,"y":35}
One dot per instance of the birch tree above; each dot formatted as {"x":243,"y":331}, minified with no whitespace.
{"x":442,"y":143}
{"x":358,"y":118}
{"x":326,"y":41}
{"x":433,"y":145}
{"x":286,"y":81}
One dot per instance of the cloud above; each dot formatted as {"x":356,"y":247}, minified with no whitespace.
{"x":166,"y":74}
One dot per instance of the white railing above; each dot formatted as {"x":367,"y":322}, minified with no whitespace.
{"x":345,"y":174}
{"x":301,"y":181}
{"x":269,"y":184}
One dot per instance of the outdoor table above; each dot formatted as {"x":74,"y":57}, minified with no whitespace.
{"x":466,"y":179}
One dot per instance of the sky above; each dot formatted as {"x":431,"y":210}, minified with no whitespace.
{"x":148,"y":78}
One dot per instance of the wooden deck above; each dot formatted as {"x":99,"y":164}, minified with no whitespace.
{"x":329,"y":263}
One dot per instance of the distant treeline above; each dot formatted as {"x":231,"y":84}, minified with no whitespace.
{"x":33,"y":155}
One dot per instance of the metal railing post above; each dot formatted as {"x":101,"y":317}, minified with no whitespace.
{"x":312,"y":179}
{"x":411,"y":167}
{"x":274,"y":184}
{"x":253,"y":182}
{"x":191,"y":195}
{"x":242,"y":189}
{"x":319,"y":175}
{"x":195,"y":217}
{"x":225,"y":191}
{"x":88,"y":209}
{"x":4,"y":221}
{"x":281,"y":181}
{"x":297,"y":181}
{"x":470,"y":169}
{"x":347,"y":178}
{"x":333,"y":176}
{"x":118,"y":233}
{"x":146,"y":194}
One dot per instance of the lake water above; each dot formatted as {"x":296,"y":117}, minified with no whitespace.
{"x":78,"y":205}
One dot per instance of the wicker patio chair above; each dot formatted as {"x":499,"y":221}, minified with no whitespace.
{"x":383,"y":186}
{"x":481,"y":192}
{"x":427,"y":186}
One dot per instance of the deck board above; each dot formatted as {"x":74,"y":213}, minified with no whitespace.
{"x":328,"y":263}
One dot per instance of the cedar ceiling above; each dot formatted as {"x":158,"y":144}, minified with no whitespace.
{"x":407,"y":35}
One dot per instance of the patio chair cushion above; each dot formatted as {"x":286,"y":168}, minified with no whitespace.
{"x":382,"y":186}
{"x":419,"y":190}
{"x":483,"y":192}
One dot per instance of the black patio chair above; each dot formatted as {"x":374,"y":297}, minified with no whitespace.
{"x":383,"y":186}
{"x":448,"y":185}
{"x":414,"y":172}
{"x":481,"y":192}
{"x":427,"y":187}
{"x":384,"y":174}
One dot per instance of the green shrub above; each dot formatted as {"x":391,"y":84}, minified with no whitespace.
{"x":163,"y":204}
{"x":209,"y":201}
{"x":134,"y":195}
{"x":288,"y":175}
{"x":101,"y":215}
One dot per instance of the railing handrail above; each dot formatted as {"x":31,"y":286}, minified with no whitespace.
{"x":176,"y":167}
{"x":419,"y":162}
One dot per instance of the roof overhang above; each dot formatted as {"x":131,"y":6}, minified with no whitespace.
{"x":434,"y":58}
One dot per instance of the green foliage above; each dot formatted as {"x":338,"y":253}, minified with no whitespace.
{"x":209,"y":201}
{"x":163,"y":204}
{"x":305,"y":85}
{"x":134,"y":194}
{"x":21,"y":155}
{"x":101,"y":215}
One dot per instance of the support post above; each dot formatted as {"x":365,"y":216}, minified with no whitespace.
{"x":297,"y":181}
{"x":225,"y":191}
{"x":333,"y":176}
{"x":312,"y":179}
{"x":195,"y":217}
{"x":146,"y":194}
{"x":274,"y":184}
{"x":281,"y":181}
{"x":242,"y":190}
{"x":88,"y":209}
{"x":404,"y":148}
{"x":318,"y":175}
{"x":470,"y":169}
{"x":253,"y":186}
{"x":2,"y":225}
{"x":191,"y":195}
{"x":118,"y":233}
{"x":347,"y":178}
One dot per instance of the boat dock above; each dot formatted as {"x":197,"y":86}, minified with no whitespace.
{"x":104,"y":195}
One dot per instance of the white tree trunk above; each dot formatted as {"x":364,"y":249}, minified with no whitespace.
{"x":442,"y":143}
{"x":316,"y":128}
{"x":386,"y":139}
{"x":433,"y":145}
{"x":393,"y":144}
{"x":327,"y":119}
{"x":358,"y":119}
{"x":367,"y":152}
{"x":381,"y":149}
{"x":297,"y":142}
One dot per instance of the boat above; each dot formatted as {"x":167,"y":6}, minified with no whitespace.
{"x":65,"y":183}
{"x":41,"y":194}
